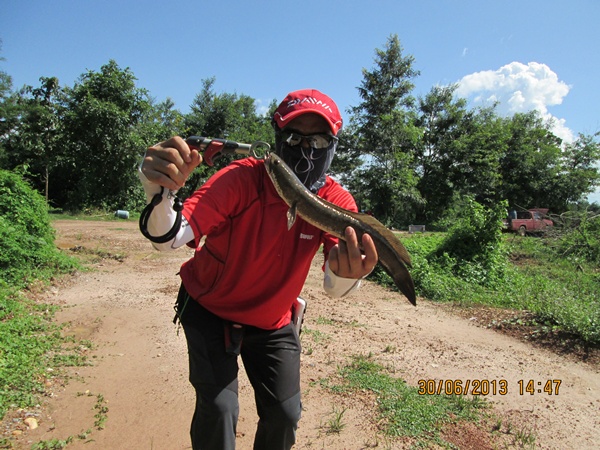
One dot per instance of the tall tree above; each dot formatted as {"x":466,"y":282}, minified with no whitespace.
{"x":9,"y":115}
{"x":578,"y":173}
{"x":166,"y":120}
{"x":530,"y":164}
{"x":385,"y":137}
{"x":103,"y":120}
{"x":224,"y":116}
{"x":442,"y":119}
{"x":476,"y":154}
{"x":34,"y":139}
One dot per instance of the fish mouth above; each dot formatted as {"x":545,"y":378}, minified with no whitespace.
{"x":271,"y":161}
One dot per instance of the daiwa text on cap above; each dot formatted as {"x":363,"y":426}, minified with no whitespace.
{"x":308,"y":101}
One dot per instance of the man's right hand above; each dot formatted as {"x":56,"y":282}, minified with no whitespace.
{"x":170,"y":163}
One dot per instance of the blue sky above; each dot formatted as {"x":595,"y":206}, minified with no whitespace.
{"x":527,"y":54}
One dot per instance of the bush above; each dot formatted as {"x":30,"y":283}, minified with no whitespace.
{"x":582,"y":238}
{"x":27,"y":248}
{"x":529,"y":274}
{"x":23,"y":207}
{"x":473,"y":248}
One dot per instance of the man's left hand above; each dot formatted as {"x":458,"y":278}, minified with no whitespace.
{"x":346,"y":259}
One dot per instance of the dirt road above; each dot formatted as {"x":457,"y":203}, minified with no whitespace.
{"x":139,"y":365}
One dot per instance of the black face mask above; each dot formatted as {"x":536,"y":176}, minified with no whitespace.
{"x":309,"y":164}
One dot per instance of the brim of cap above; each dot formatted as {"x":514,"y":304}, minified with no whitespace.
{"x":283,"y":121}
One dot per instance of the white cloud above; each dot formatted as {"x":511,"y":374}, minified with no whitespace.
{"x":262,"y":106}
{"x":519,"y":87}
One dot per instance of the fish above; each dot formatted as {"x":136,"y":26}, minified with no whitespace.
{"x":392,"y":255}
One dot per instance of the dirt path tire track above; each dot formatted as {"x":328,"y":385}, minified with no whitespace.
{"x":140,"y":363}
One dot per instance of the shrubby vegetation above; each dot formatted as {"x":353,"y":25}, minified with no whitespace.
{"x":27,"y":254}
{"x":473,"y":248}
{"x":27,"y":250}
{"x":555,"y":277}
{"x":581,"y":239}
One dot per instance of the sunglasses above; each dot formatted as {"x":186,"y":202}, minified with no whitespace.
{"x":317,"y":141}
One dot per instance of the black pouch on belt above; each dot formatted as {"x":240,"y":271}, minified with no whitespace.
{"x":180,"y":304}
{"x":234,"y":334}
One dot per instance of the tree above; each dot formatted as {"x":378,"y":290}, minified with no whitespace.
{"x":385,"y":137}
{"x":224,"y":116}
{"x":530,"y":164}
{"x":442,"y":119}
{"x":476,"y":154}
{"x":166,"y":120}
{"x":578,"y":172}
{"x":105,"y":112}
{"x":9,"y":115}
{"x":35,"y":143}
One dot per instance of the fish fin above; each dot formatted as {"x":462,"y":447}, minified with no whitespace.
{"x":404,"y":282}
{"x":291,"y":216}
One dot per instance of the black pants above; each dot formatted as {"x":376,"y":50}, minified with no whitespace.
{"x":272,"y":363}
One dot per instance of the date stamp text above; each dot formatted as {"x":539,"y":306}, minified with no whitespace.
{"x":488,"y":387}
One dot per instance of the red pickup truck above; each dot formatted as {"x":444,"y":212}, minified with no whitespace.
{"x":530,"y":221}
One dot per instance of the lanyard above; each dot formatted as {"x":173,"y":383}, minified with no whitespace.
{"x":177,"y":207}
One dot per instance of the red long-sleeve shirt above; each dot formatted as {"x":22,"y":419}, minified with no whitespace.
{"x":251,"y":268}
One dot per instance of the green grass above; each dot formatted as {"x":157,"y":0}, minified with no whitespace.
{"x":32,"y":348}
{"x":564,"y":294}
{"x":335,"y":424}
{"x":530,"y":274}
{"x":93,"y":215}
{"x":317,"y":336}
{"x":401,"y":410}
{"x":53,"y":444}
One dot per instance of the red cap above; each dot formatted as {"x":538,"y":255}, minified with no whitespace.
{"x":308,"y":101}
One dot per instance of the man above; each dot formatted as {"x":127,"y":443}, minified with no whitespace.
{"x":238,"y":289}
